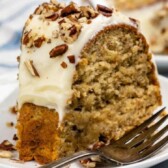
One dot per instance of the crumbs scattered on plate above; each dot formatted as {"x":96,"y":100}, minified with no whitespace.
{"x":6,"y":149}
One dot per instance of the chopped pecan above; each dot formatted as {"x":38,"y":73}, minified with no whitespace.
{"x":30,"y":66}
{"x":70,"y":9}
{"x":54,"y":2}
{"x":31,"y":17}
{"x":18,"y":58}
{"x":38,"y":42}
{"x":74,"y":17}
{"x":73,"y":30}
{"x":88,"y":12}
{"x":6,"y":145}
{"x":38,"y":10}
{"x":13,"y":109}
{"x":61,"y":21}
{"x":15,"y":138}
{"x":104,"y":10}
{"x":71,"y":59}
{"x":10,"y":124}
{"x":58,"y":50}
{"x":64,"y":65}
{"x":52,"y":16}
{"x":26,"y":37}
{"x":83,"y":20}
{"x":69,"y":31}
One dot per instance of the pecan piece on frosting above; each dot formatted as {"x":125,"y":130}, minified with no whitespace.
{"x":73,"y":30}
{"x":104,"y":10}
{"x":52,"y":16}
{"x":38,"y":42}
{"x":88,"y":12}
{"x":69,"y":31}
{"x":31,"y":68}
{"x":26,"y":37}
{"x":64,"y":65}
{"x":70,"y":9}
{"x":71,"y":59}
{"x":58,"y":50}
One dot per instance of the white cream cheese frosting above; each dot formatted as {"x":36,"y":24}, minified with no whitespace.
{"x":51,"y":88}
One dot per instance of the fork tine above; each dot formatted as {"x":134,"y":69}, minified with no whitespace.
{"x":147,"y":133}
{"x":135,"y":131}
{"x":152,"y":140}
{"x":150,"y":151}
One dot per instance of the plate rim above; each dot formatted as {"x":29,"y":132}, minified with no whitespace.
{"x":154,"y":160}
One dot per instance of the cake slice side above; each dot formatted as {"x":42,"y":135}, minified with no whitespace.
{"x":115,"y":89}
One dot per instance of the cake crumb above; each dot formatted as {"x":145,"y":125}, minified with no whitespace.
{"x":5,"y":154}
{"x":15,"y":138}
{"x":10,"y":124}
{"x":7,"y":146}
{"x":164,"y":113}
{"x":88,"y":163}
{"x":13,"y":110}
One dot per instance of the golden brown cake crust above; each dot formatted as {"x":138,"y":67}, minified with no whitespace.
{"x":37,"y":134}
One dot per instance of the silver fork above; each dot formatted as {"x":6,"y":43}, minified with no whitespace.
{"x":137,"y":145}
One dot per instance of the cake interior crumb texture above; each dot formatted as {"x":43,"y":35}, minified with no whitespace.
{"x":115,"y":89}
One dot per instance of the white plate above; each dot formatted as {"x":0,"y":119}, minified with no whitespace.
{"x":7,"y":133}
{"x":162,"y":62}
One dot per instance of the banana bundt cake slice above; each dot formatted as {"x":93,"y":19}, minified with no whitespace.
{"x":86,"y":77}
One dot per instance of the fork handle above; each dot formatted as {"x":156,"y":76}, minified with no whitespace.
{"x":67,"y":160}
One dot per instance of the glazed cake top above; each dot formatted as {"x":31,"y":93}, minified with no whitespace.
{"x":53,"y":38}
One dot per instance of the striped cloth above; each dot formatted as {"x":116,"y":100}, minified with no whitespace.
{"x":13,"y":15}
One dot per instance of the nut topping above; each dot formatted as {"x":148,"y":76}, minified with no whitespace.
{"x":18,"y":59}
{"x":71,"y":59}
{"x":15,"y":138}
{"x":6,"y":145}
{"x":64,"y":65}
{"x":73,"y":30}
{"x":52,"y":16}
{"x":88,"y":12}
{"x":58,"y":50}
{"x":104,"y":10}
{"x":70,"y":9}
{"x":39,"y":41}
{"x":69,"y":31}
{"x":26,"y":38}
{"x":30,"y":66}
{"x":54,"y":2}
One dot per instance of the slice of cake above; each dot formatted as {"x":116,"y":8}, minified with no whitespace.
{"x":86,"y":77}
{"x":153,"y":15}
